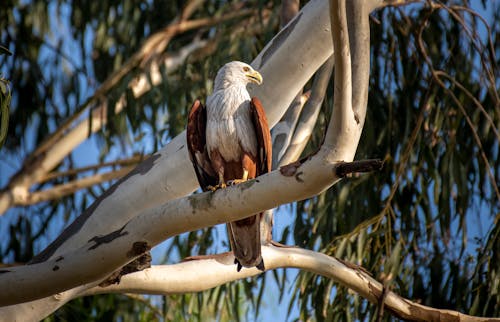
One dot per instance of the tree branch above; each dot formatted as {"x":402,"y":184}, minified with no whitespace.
{"x":271,"y":64}
{"x":336,"y":147}
{"x":283,"y":131}
{"x":309,"y":115}
{"x":59,"y":191}
{"x":112,"y":250}
{"x":71,"y":172}
{"x":343,"y":124}
{"x":204,"y":274}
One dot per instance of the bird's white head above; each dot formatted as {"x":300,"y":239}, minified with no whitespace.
{"x":236,"y":72}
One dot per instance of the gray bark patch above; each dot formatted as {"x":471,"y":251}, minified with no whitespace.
{"x":201,"y":201}
{"x":99,"y":240}
{"x":278,"y":40}
{"x":80,"y":221}
{"x":247,"y":184}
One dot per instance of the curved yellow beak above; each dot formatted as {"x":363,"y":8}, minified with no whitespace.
{"x":254,"y":76}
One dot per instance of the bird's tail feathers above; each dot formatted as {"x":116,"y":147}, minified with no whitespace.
{"x":244,"y":236}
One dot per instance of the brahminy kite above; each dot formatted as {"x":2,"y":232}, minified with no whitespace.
{"x":229,"y":142}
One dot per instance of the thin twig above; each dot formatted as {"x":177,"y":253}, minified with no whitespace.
{"x":130,"y":161}
{"x":71,"y":187}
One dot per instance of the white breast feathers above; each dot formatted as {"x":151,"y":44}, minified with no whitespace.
{"x":229,"y":124}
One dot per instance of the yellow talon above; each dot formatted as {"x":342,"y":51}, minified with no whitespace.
{"x":221,"y":184}
{"x":217,"y":187}
{"x":237,"y":181}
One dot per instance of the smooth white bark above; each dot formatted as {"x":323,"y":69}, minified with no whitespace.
{"x":283,"y":131}
{"x":309,"y":115}
{"x":292,"y":57}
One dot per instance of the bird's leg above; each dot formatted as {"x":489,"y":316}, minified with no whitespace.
{"x":248,"y":165}
{"x":218,"y":165}
{"x":220,"y":185}
{"x":236,"y":181}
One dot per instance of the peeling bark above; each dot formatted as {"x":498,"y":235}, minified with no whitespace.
{"x":358,"y":166}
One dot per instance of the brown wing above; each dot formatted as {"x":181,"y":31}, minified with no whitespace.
{"x":263,"y":134}
{"x":196,"y":142}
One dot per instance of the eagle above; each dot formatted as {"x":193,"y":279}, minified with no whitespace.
{"x":229,"y":142}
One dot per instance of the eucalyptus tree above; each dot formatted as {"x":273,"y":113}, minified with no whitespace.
{"x":421,"y":93}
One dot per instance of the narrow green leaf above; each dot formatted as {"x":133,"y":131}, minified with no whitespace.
{"x":4,"y":116}
{"x":5,"y":51}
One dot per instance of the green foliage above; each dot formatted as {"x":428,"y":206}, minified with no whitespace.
{"x":428,"y":223}
{"x":5,"y":97}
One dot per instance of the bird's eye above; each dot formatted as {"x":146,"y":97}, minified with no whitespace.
{"x":246,"y":69}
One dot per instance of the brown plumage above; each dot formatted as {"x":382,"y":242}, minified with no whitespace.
{"x":229,"y":142}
